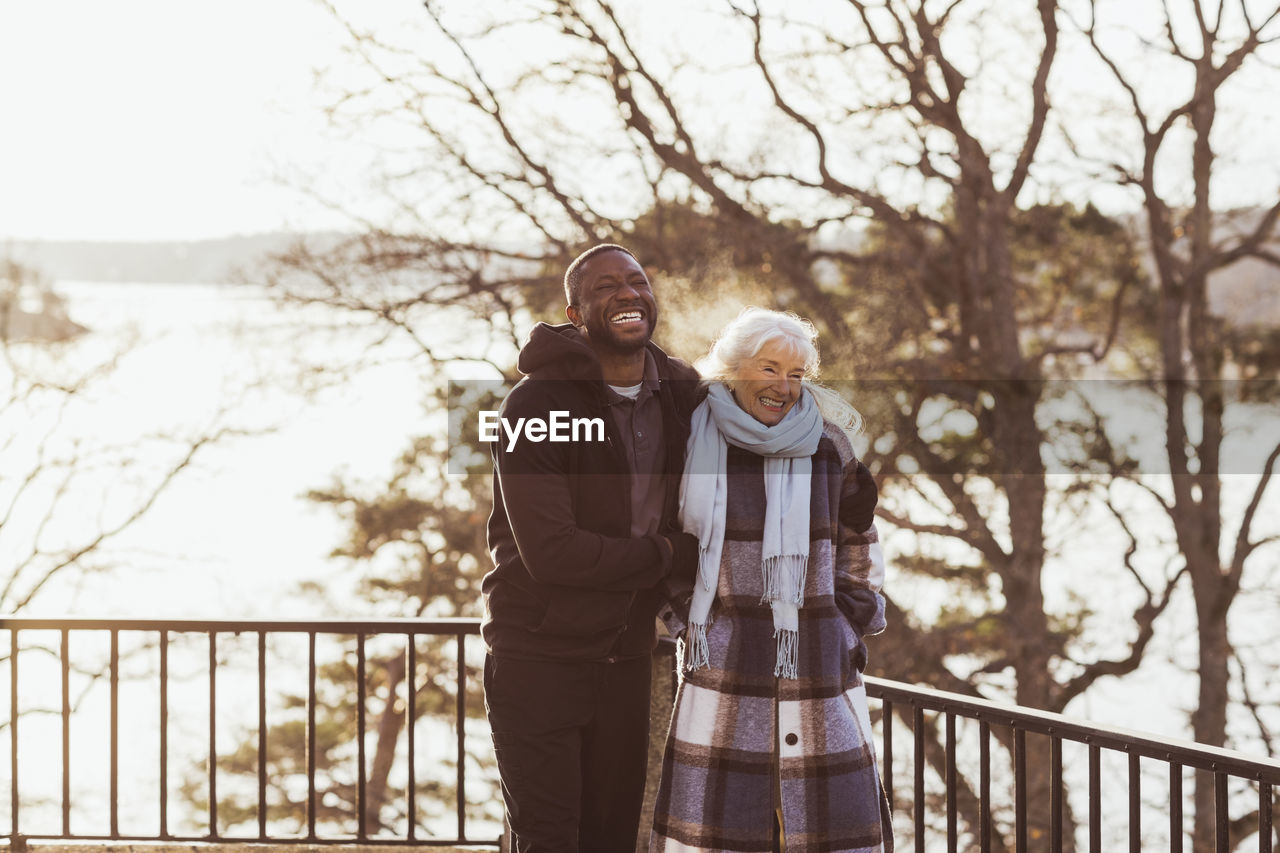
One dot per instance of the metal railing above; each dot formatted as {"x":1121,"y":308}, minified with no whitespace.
{"x":939,"y":802}
{"x":921,"y":709}
{"x":164,"y":633}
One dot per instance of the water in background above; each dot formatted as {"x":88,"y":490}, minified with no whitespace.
{"x":233,"y":534}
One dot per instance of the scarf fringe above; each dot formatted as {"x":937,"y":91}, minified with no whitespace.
{"x":695,"y":647}
{"x":784,"y":577}
{"x":788,"y":661}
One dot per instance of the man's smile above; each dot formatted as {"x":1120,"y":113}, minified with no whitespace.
{"x":630,"y":316}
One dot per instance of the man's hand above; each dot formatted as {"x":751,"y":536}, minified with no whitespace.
{"x":684,"y":554}
{"x":858,"y":505}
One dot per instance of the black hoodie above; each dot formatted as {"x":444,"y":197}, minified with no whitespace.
{"x":569,"y":582}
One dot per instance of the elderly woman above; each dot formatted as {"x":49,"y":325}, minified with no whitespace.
{"x":770,"y":740}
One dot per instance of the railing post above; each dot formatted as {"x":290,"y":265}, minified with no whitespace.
{"x":1055,"y":794}
{"x":950,"y":748}
{"x":164,"y":734}
{"x":984,"y":786}
{"x":886,"y":721}
{"x":262,"y":735}
{"x":14,"y":829}
{"x":1264,"y":818}
{"x":1019,"y":788}
{"x":411,"y":717}
{"x":311,"y":735}
{"x":1135,"y":804}
{"x":361,"y":803}
{"x":1095,"y":799}
{"x":461,"y":711}
{"x":917,"y":725}
{"x":213,"y":734}
{"x":115,"y":733}
{"x":65,"y":660}
{"x":1221,"y":817}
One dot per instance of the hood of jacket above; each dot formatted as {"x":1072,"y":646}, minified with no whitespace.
{"x":561,"y":352}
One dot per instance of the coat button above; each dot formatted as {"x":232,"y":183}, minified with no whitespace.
{"x":791,"y":739}
{"x":666,"y":614}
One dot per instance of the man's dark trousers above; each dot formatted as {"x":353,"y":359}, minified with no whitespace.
{"x":572,"y":745}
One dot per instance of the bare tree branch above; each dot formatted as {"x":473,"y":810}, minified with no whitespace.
{"x":1144,"y":618}
{"x":72,"y":556}
{"x":1243,"y":547}
{"x":1039,"y":100}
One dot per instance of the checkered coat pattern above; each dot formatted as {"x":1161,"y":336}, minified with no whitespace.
{"x":742,"y":742}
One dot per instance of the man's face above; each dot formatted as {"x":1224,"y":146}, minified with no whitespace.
{"x":616,"y":309}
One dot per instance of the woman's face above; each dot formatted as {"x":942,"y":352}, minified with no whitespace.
{"x":768,"y":384}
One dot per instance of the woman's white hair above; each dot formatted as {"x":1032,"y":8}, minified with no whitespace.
{"x":756,"y":327}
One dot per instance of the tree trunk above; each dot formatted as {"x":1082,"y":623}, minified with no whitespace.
{"x":1024,"y":601}
{"x":389,"y":725}
{"x":1209,"y":720}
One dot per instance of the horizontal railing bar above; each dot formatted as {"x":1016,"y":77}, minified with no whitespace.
{"x":398,"y":625}
{"x":207,"y":843}
{"x":1185,"y":752}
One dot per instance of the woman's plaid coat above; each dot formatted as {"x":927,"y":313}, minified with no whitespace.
{"x":743,"y":742}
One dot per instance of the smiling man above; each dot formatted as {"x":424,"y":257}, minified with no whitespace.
{"x":584,"y":540}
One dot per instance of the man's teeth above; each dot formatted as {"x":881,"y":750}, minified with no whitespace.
{"x":626,"y":317}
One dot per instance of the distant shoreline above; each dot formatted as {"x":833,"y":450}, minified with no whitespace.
{"x":216,"y":261}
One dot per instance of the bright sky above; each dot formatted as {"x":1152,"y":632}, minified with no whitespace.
{"x":154,"y":119}
{"x":150,"y":119}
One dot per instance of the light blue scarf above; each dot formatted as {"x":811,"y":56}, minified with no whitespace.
{"x":787,"y":447}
